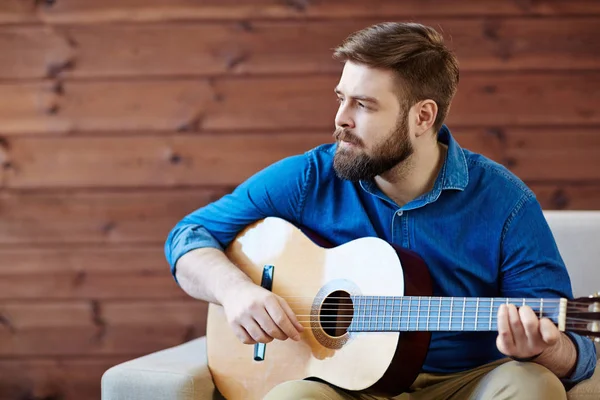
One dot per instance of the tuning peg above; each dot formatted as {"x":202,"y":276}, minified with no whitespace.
{"x":597,"y":339}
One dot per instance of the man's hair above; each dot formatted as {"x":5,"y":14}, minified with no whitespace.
{"x":426,"y":68}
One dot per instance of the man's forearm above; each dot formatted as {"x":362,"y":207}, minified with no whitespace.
{"x":560,"y":358}
{"x":207,"y":274}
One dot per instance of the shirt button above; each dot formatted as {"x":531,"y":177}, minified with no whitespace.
{"x":399,"y":213}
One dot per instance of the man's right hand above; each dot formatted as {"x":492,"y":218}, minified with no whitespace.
{"x":257,"y":315}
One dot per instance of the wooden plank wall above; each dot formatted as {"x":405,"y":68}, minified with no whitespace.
{"x":118,"y":117}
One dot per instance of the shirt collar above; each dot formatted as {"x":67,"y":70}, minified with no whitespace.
{"x":454,"y":174}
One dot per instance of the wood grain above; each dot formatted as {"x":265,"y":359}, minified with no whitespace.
{"x":65,"y":378}
{"x":95,"y":217}
{"x":70,"y":258}
{"x":147,"y":161}
{"x":281,"y":104}
{"x":122,"y":285}
{"x":540,"y":154}
{"x":82,"y":11}
{"x":17,"y":11}
{"x":568,"y":196}
{"x":279,"y":48}
{"x":67,"y":328}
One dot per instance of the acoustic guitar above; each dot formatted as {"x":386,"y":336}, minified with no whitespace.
{"x":367,"y":310}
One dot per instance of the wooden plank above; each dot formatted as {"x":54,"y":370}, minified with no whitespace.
{"x":170,"y":161}
{"x":122,"y":285}
{"x":64,"y":378}
{"x":33,"y":52}
{"x":55,"y":107}
{"x":280,"y":104}
{"x":96,"y":217}
{"x":568,"y":196}
{"x":17,"y":11}
{"x":83,"y":11}
{"x":103,"y":328}
{"x":68,"y":258}
{"x":277,"y":48}
{"x":146,"y":161}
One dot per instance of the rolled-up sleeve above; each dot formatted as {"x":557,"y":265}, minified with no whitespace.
{"x":276,"y":191}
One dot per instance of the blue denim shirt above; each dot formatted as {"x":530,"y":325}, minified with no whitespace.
{"x":481,"y":232}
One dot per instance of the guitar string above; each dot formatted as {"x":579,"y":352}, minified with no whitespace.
{"x":422,"y":318}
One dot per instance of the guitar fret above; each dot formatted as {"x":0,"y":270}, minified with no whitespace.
{"x":439,"y":315}
{"x":428,"y":313}
{"x":541,"y":307}
{"x":418,"y":313}
{"x":462,"y":322}
{"x":392,"y":315}
{"x":408,"y":314}
{"x":370,"y":313}
{"x":399,"y":314}
{"x":376,"y":313}
{"x":451,"y":309}
{"x":476,"y":313}
{"x":491,"y":313}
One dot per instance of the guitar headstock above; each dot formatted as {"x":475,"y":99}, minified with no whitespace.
{"x":583,"y":316}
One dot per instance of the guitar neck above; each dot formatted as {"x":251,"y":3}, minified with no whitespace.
{"x":420,"y":313}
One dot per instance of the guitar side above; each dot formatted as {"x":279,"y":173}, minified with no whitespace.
{"x":384,"y":363}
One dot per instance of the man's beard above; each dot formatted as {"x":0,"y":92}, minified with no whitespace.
{"x":354,"y":164}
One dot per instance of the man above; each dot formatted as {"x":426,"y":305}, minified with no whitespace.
{"x":396,"y":172}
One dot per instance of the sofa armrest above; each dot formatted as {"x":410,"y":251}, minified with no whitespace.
{"x":177,"y":373}
{"x":588,"y":389}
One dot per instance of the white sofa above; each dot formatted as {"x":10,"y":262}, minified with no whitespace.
{"x":181,"y":373}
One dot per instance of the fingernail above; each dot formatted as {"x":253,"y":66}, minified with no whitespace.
{"x":296,"y":338}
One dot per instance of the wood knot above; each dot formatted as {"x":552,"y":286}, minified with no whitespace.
{"x":298,"y":5}
{"x":510,"y":162}
{"x":53,"y":109}
{"x":490,"y":89}
{"x":559,"y":199}
{"x":108,"y":227}
{"x":45,"y":3}
{"x":54,"y":69}
{"x":175,"y":159}
{"x":498,"y":133}
{"x":245,"y":26}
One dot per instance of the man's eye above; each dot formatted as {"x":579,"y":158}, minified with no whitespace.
{"x":361,"y":105}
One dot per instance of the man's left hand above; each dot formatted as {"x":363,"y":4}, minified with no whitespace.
{"x":522,"y":334}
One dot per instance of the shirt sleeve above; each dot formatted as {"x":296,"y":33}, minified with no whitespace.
{"x":532,"y":267}
{"x":276,"y":191}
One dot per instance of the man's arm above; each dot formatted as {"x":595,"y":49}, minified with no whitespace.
{"x":254,"y":314}
{"x":194,"y":250}
{"x":533,"y":268}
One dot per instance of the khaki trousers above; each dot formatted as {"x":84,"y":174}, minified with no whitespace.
{"x":502,"y":379}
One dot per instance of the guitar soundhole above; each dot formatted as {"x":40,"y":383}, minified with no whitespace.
{"x":336,"y":313}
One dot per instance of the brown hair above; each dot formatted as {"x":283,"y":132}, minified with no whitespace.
{"x":426,"y":68}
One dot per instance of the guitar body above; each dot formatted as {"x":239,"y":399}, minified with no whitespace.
{"x":306,"y":272}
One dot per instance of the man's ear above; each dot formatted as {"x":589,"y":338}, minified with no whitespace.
{"x":426,"y":112}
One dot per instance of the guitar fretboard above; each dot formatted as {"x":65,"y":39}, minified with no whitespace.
{"x":397,"y":314}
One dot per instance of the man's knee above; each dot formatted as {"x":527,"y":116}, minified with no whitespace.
{"x":516,"y":380}
{"x":304,"y":390}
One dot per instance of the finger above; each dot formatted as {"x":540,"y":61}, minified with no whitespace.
{"x":242,"y":335}
{"x":549,"y":331}
{"x":296,"y":325}
{"x":505,"y":341}
{"x":281,"y":319}
{"x":256,"y":332}
{"x":531,"y":325}
{"x":269,"y":325}
{"x":516,"y":326}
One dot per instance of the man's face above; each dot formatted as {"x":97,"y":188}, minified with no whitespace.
{"x":371,"y":125}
